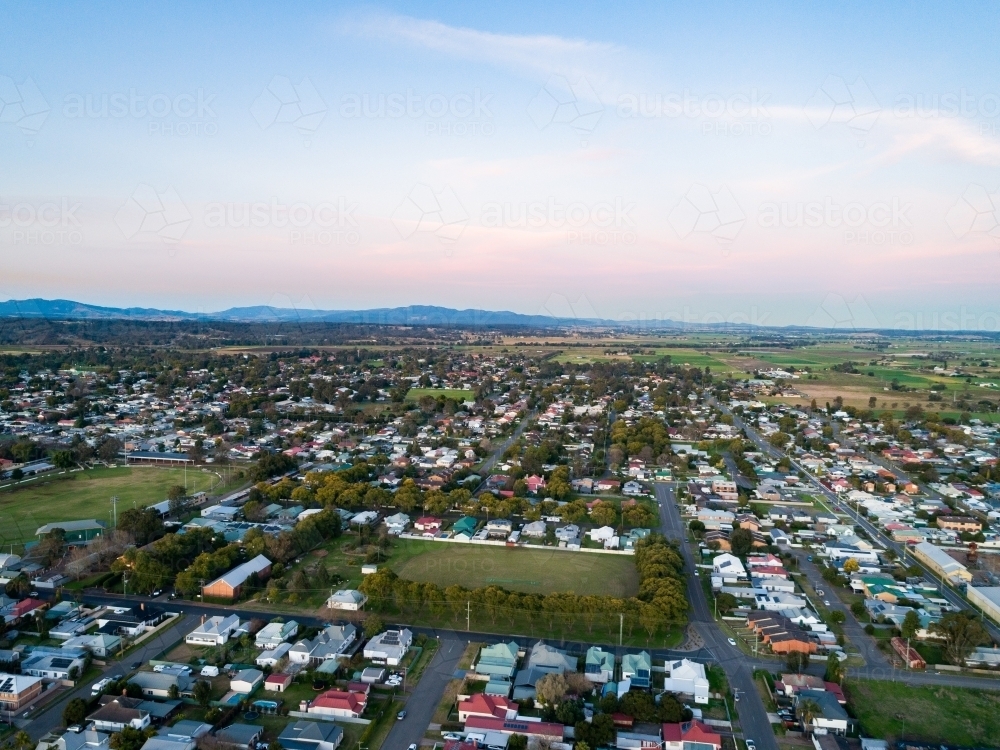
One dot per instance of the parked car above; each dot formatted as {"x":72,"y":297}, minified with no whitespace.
{"x":732,"y":641}
{"x":401,"y":715}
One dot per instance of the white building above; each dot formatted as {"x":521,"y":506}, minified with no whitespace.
{"x":389,"y":647}
{"x":686,"y":676}
{"x":348,"y":599}
{"x":214,"y":631}
{"x":274,"y":634}
{"x":728,"y":567}
{"x":273,"y":656}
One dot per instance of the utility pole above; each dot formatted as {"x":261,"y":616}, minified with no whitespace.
{"x":621,"y":626}
{"x":114,"y":506}
{"x":468,"y":615}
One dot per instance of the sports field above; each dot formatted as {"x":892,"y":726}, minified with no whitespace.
{"x":531,"y":571}
{"x":415,"y":394}
{"x":83,"y":495}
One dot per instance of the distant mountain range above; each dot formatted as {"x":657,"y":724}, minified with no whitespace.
{"x":420,"y":315}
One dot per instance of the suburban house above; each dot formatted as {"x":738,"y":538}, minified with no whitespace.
{"x":230,"y":585}
{"x":542,"y":660}
{"x":54,"y":663}
{"x":273,"y":656}
{"x":159,"y":684}
{"x":600,"y":665}
{"x":338,"y":703}
{"x":690,"y":735}
{"x":99,"y":644}
{"x":728,"y":567}
{"x":486,"y":705}
{"x":118,"y":712}
{"x":214,"y":631}
{"x":499,"y":663}
{"x":311,"y":735}
{"x":397,"y":523}
{"x":274,"y":634}
{"x":832,"y":717}
{"x":638,"y":669}
{"x":389,"y":647}
{"x":89,"y":739}
{"x":332,"y":643}
{"x":465,"y":526}
{"x":347,"y":599}
{"x":687,"y":677}
{"x":130,"y":621}
{"x":240,"y":736}
{"x":428,"y":524}
{"x":16,"y":690}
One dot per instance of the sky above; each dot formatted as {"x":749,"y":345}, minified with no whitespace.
{"x":768,"y":163}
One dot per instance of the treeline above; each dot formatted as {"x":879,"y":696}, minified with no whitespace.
{"x":661,"y":600}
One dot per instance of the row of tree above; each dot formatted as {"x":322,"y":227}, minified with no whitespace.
{"x":661,"y":600}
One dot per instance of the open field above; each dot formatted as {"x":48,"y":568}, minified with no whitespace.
{"x":458,"y":394}
{"x":542,"y":572}
{"x":957,"y":716}
{"x":79,"y":495}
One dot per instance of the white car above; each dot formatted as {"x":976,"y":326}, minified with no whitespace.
{"x":732,"y":641}
{"x":826,"y":602}
{"x":751,"y":745}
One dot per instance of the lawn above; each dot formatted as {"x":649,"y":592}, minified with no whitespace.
{"x":81,"y":495}
{"x":415,"y":394}
{"x":958,"y":716}
{"x":532,"y":571}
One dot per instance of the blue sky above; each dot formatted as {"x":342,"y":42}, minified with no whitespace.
{"x":769,"y":163}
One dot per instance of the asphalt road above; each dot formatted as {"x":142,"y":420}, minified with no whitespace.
{"x":853,"y":630}
{"x":51,"y":717}
{"x":739,"y":670}
{"x":424,"y":699}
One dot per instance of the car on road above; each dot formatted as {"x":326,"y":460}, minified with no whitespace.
{"x":33,"y":594}
{"x":401,"y":715}
{"x":413,"y":746}
{"x":135,"y":665}
{"x":826,"y":602}
{"x":751,"y":745}
{"x":157,"y":593}
{"x":732,"y":641}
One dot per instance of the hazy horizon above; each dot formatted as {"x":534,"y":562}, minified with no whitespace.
{"x":771,"y":164}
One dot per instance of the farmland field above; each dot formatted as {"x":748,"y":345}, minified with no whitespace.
{"x":87,"y":494}
{"x":532,"y":571}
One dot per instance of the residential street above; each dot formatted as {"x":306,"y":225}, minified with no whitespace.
{"x":51,"y":716}
{"x":424,"y":699}
{"x":739,"y":671}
